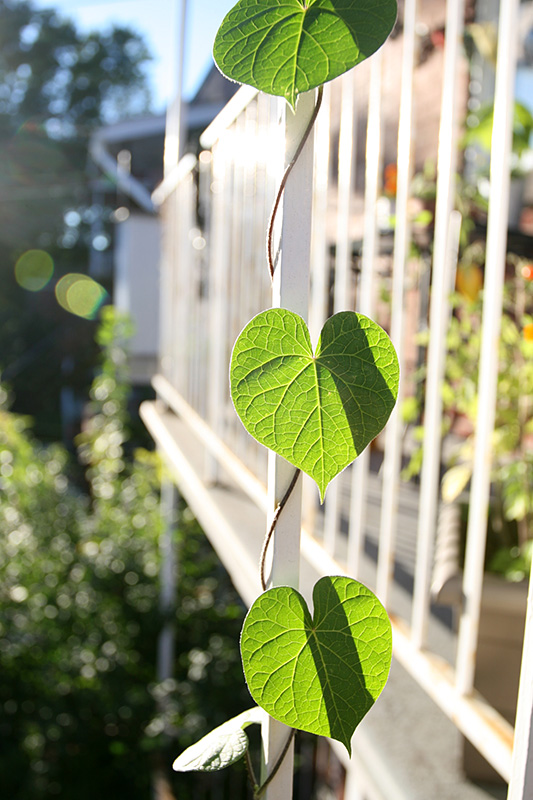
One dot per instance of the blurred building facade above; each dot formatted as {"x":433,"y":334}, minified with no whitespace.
{"x":127,"y":162}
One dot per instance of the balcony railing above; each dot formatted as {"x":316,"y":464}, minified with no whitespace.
{"x":401,"y":108}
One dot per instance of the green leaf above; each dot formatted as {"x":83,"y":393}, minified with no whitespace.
{"x":221,"y":747}
{"x":454,"y":481}
{"x":319,"y":675}
{"x":286,"y":47}
{"x":318,"y":412}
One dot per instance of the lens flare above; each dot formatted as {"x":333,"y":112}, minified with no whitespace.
{"x":80,"y":295}
{"x":34,"y":269}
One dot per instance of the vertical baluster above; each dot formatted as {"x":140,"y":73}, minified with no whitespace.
{"x":438,"y":315}
{"x":342,"y":286}
{"x":393,"y":452}
{"x":218,"y":299}
{"x":290,"y":290}
{"x":521,"y":784}
{"x":491,"y":324}
{"x":205,"y":200}
{"x":364,"y":296}
{"x":319,"y":257}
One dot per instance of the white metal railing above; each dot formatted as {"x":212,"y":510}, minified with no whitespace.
{"x":214,"y":279}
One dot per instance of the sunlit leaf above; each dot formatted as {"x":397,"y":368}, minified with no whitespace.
{"x":320,"y":674}
{"x":317,"y":411}
{"x":285,"y":47}
{"x":220,"y":747}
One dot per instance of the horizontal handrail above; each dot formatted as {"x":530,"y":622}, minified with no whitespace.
{"x":169,"y":184}
{"x":227,"y":116}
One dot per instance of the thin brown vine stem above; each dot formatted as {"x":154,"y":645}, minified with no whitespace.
{"x":251,"y":773}
{"x":288,"y":170}
{"x":261,"y":790}
{"x":272,"y":528}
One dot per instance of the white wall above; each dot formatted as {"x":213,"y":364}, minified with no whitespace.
{"x":136,"y":290}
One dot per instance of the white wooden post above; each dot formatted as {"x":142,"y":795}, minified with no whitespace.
{"x":341,"y":298}
{"x":218,"y":287}
{"x":169,"y":493}
{"x":521,"y":784}
{"x":167,"y":637}
{"x":364,"y":295}
{"x":290,"y":290}
{"x":174,"y":122}
{"x":167,"y":549}
{"x":438,"y":318}
{"x":489,"y":358}
{"x":393,"y":434}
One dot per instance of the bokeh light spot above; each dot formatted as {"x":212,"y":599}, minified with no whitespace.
{"x":72,"y":219}
{"x":34,"y":269}
{"x":101,"y":242}
{"x":80,"y":295}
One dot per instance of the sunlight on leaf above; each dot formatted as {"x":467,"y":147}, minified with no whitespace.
{"x":286,"y":47}
{"x":320,"y":675}
{"x":220,"y":747}
{"x":318,"y":412}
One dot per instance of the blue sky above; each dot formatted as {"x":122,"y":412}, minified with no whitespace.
{"x":157,"y":20}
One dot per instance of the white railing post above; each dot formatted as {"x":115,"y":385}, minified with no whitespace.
{"x":168,"y":579}
{"x":341,"y":297}
{"x":521,"y":784}
{"x":438,"y":317}
{"x":373,"y":160}
{"x":393,"y":432}
{"x":489,"y":358}
{"x":217,"y":289}
{"x":290,"y":290}
{"x":174,"y":122}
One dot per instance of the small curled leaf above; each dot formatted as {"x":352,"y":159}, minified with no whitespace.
{"x":220,"y":747}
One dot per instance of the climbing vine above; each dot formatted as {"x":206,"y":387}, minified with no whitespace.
{"x":317,"y":672}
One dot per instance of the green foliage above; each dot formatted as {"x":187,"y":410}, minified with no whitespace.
{"x":319,"y":674}
{"x":222,"y":746}
{"x":48,"y":70}
{"x":57,"y":85}
{"x":513,"y":562}
{"x":479,"y":132}
{"x":317,"y":411}
{"x":286,"y":47}
{"x":100,"y":446}
{"x":80,"y":712}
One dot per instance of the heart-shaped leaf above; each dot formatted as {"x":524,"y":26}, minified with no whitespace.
{"x":285,"y":47}
{"x":220,"y":747}
{"x":317,"y":411}
{"x":319,"y":675}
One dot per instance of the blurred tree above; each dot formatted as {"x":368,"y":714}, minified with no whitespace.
{"x":79,"y":615}
{"x":56,"y":86}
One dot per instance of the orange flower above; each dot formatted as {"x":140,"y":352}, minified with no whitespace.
{"x":527,"y":272}
{"x":527,"y":330}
